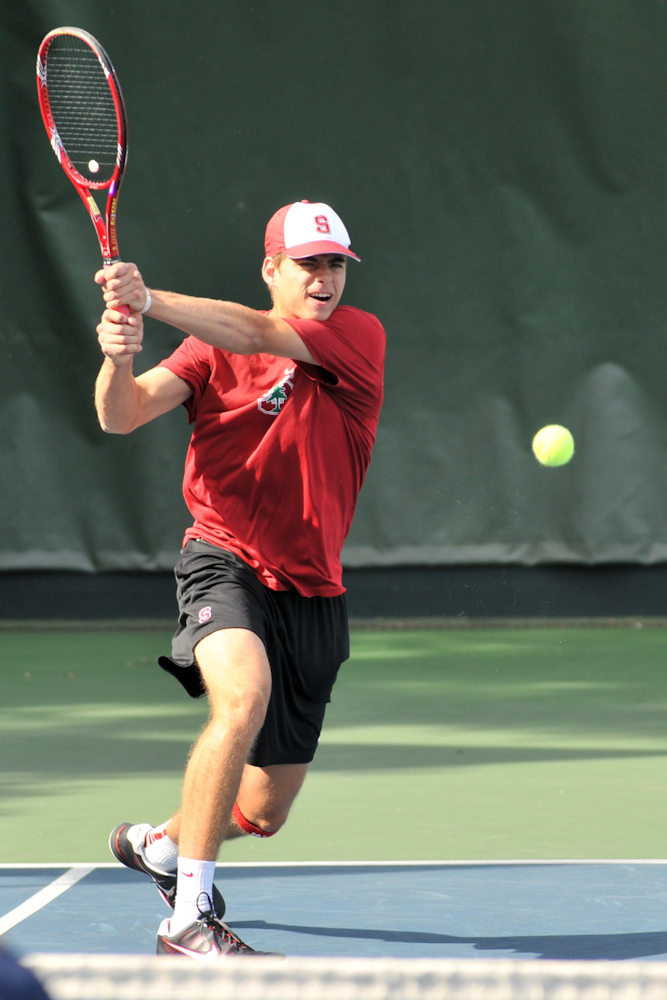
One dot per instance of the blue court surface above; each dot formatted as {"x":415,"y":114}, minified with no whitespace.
{"x":562,"y":910}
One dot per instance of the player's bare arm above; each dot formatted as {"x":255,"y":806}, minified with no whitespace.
{"x":124,"y":402}
{"x":225,"y":325}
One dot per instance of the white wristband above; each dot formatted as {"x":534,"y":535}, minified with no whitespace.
{"x":149,"y":300}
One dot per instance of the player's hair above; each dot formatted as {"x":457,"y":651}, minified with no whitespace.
{"x":277,"y":259}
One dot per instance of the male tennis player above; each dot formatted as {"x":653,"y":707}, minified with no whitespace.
{"x":285,"y":407}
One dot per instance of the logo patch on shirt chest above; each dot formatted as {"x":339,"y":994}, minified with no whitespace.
{"x":271,"y":402}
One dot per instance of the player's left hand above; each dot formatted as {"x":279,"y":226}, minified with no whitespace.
{"x":122,"y":285}
{"x":120,"y":336}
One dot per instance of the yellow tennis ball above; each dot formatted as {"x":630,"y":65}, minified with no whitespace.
{"x":553,"y":445}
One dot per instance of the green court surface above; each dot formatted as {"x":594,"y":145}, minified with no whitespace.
{"x":439,"y":745}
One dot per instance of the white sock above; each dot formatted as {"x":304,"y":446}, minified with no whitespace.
{"x":194,"y":892}
{"x":159,"y":850}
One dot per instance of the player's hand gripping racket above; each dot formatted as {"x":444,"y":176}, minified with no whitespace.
{"x":84,"y":115}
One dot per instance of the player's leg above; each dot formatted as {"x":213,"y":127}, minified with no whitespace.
{"x":216,"y":591}
{"x":235,"y":669}
{"x":236,"y":672}
{"x":263,"y":802}
{"x":265,"y":798}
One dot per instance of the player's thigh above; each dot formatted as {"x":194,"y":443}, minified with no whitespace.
{"x":235,"y":669}
{"x":267,"y":793}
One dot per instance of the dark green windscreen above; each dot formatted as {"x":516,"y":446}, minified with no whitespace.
{"x":501,"y":167}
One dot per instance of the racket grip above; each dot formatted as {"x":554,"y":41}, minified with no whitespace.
{"x":125,"y":310}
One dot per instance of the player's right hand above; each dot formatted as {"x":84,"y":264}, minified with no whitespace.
{"x":120,"y":336}
{"x":122,"y":285}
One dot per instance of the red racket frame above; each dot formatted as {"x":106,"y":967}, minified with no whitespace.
{"x":105,"y":225}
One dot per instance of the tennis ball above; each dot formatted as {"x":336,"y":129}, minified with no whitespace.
{"x":553,"y":445}
{"x":93,"y":166}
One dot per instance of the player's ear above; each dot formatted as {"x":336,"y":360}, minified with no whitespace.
{"x":269,"y":271}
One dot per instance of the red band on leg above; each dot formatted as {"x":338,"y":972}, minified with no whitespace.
{"x":247,"y":826}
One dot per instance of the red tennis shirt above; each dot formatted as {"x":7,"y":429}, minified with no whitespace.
{"x":280,"y":448}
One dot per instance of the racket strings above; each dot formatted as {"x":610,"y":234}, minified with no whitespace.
{"x":83,"y":107}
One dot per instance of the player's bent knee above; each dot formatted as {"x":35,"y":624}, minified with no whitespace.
{"x":258,"y":829}
{"x":245,"y":712}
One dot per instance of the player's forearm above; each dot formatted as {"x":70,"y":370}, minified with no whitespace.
{"x":117,"y":398}
{"x":226,"y":325}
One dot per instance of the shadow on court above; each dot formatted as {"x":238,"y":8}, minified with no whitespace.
{"x":584,"y":946}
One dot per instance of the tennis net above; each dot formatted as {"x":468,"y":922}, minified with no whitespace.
{"x":131,"y":977}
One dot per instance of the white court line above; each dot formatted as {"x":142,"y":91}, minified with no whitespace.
{"x":357,"y":864}
{"x":88,"y":865}
{"x":44,"y":896}
{"x":442,"y":864}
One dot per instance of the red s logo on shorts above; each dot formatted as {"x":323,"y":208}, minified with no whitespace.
{"x":204,"y":615}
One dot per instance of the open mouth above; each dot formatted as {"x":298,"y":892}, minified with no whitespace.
{"x":320,"y":296}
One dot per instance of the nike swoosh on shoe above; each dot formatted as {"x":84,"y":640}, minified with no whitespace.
{"x":207,"y":957}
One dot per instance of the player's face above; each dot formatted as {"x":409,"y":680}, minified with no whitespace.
{"x":309,"y":288}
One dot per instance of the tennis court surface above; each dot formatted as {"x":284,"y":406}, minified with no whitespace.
{"x":493,"y":743}
{"x":540,"y":744}
{"x":566,"y":910}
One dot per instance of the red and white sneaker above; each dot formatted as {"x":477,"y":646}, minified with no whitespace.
{"x":205,"y":940}
{"x":127,"y":846}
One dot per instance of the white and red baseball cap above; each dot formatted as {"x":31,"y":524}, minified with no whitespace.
{"x":306,"y":228}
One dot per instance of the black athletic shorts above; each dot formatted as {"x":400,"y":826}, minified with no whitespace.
{"x":306,"y":640}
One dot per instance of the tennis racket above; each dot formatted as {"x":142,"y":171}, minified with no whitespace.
{"x":84,"y":114}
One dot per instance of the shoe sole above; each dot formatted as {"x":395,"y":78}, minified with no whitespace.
{"x":123,"y":851}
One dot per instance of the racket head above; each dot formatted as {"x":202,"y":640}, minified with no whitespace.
{"x":82,"y":108}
